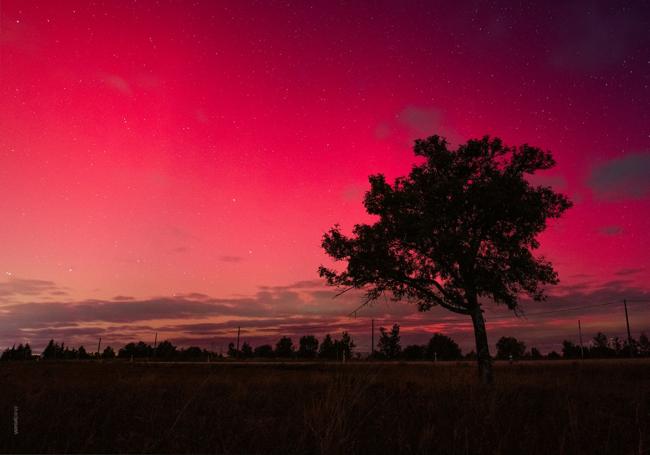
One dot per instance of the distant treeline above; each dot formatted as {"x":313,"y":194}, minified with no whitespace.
{"x":439,"y":347}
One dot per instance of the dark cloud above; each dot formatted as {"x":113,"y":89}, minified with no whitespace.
{"x":593,"y":37}
{"x":28,"y":287}
{"x":626,"y":272}
{"x":610,"y":230}
{"x":422,"y":122}
{"x":620,"y":178}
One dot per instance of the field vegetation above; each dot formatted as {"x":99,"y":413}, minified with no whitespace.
{"x":533,"y":407}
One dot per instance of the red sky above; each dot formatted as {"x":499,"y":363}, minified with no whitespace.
{"x":155,"y":151}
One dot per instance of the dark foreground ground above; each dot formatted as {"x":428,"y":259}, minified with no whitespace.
{"x":597,"y":407}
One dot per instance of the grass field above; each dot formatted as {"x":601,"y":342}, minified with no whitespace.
{"x":561,"y":407}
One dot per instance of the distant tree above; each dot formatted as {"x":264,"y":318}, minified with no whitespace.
{"x":246,"y":350}
{"x":52,"y":351}
{"x":344,"y":346}
{"x":192,"y":353}
{"x":414,"y":352}
{"x":70,"y":353}
{"x":510,"y":346}
{"x":165,"y":350}
{"x":600,"y":347}
{"x":459,"y":229}
{"x":570,"y":350}
{"x":644,"y":345}
{"x":264,"y":351}
{"x":389,"y":342}
{"x":82,"y":354}
{"x":535,"y":354}
{"x":22,"y":352}
{"x":631,"y":347}
{"x":308,"y":347}
{"x":553,"y":356}
{"x":442,"y":347}
{"x":136,"y":350}
{"x":284,"y":347}
{"x":232,"y":351}
{"x":327,"y":349}
{"x":27,"y":352}
{"x":108,"y":353}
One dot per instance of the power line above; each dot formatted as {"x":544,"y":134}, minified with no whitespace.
{"x":559,"y":310}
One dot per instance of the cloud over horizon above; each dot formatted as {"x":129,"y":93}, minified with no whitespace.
{"x":306,"y":307}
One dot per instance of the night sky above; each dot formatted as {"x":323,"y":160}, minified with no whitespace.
{"x":172,"y":166}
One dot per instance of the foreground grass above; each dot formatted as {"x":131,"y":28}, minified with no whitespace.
{"x":596,"y":407}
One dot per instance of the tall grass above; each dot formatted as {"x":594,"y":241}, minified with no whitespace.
{"x":596,"y":407}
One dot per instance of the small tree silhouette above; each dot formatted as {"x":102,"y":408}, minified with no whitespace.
{"x":327,"y":348}
{"x":264,"y":351}
{"x":232,"y":351}
{"x":284,"y":347}
{"x":510,"y":348}
{"x":388,"y":345}
{"x":535,"y":354}
{"x":165,"y":350}
{"x":246,"y":350}
{"x":344,"y":346}
{"x":414,"y":352}
{"x":82,"y":354}
{"x":308,"y":348}
{"x":441,"y":347}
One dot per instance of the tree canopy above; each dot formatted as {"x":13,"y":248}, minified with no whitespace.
{"x":460,"y":228}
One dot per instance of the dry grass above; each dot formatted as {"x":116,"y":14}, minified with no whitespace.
{"x":598,"y":407}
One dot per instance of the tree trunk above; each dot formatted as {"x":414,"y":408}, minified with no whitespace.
{"x":482,"y":347}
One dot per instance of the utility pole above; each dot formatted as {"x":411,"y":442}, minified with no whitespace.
{"x":99,"y":345}
{"x":372,"y":339}
{"x":238,"y":332}
{"x":627,"y":322}
{"x":155,"y":343}
{"x":582,"y":354}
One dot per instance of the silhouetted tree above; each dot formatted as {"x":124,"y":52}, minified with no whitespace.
{"x":165,"y":350}
{"x":600,"y":347}
{"x":82,"y":354}
{"x":22,"y":352}
{"x":631,"y":347}
{"x":246,"y":350}
{"x":284,"y":347}
{"x":471,"y":355}
{"x":308,"y":347}
{"x":644,"y":345}
{"x":327,"y":349}
{"x":459,"y":229}
{"x":193,"y":353}
{"x":344,"y":346}
{"x":535,"y":354}
{"x":135,"y":350}
{"x":414,"y":352}
{"x":570,"y":350}
{"x":389,"y":345}
{"x":232,"y":351}
{"x":264,"y":351}
{"x":510,"y":346}
{"x":108,"y":353}
{"x":553,"y":356}
{"x":443,"y":348}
